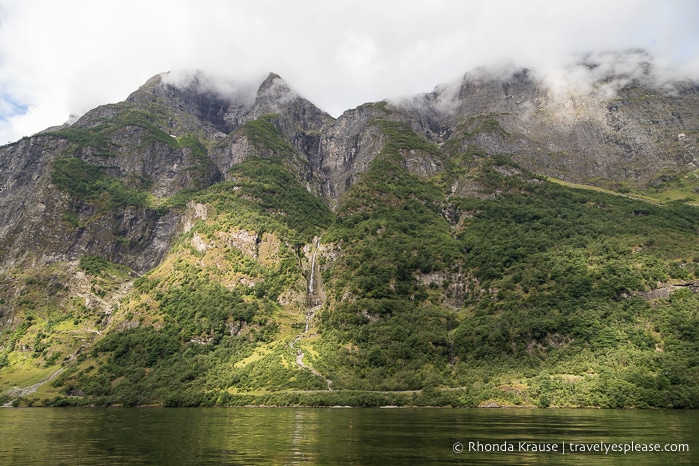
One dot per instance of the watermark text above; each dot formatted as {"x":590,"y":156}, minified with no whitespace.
{"x":606,"y":448}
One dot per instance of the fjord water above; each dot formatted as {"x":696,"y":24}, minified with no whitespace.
{"x":338,"y":436}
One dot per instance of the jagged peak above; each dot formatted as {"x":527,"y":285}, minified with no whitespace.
{"x":275,"y":96}
{"x":269,"y":81}
{"x":192,"y":82}
{"x":274,"y":87}
{"x":148,"y":87}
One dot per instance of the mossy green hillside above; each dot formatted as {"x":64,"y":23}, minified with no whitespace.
{"x":193,"y":323}
{"x":61,"y":310}
{"x":86,"y":182}
{"x":265,"y":136}
{"x":546,"y":273}
{"x":524,"y":292}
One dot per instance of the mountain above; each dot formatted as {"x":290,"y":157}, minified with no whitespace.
{"x":493,"y":242}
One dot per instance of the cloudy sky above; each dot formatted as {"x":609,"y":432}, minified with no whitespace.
{"x":63,"y":57}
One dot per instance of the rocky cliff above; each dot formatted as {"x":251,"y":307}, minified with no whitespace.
{"x":168,"y":137}
{"x":617,"y":132}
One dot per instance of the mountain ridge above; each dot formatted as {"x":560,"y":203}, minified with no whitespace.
{"x":185,"y":247}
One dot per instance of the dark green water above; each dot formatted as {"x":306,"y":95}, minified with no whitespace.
{"x":247,"y":436}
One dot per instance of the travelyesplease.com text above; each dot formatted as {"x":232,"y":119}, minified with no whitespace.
{"x":567,"y":447}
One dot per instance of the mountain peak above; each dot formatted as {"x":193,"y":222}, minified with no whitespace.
{"x":272,"y":76}
{"x":274,"y":87}
{"x":275,"y":96}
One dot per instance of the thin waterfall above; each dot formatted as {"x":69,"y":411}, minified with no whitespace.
{"x":312,"y":306}
{"x":308,"y":322}
{"x":313,"y":269}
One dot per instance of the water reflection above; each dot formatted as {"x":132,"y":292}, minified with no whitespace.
{"x":333,"y":436}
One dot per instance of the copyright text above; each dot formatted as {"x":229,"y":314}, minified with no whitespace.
{"x":567,"y":447}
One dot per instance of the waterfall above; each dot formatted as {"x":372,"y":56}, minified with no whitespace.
{"x":313,"y":268}
{"x":312,"y":306}
{"x":308,"y":323}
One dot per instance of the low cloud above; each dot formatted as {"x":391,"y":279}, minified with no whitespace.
{"x":603,"y":73}
{"x":222,"y":86}
{"x":63,"y":58}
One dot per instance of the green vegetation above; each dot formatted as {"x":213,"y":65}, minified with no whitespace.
{"x":193,"y":335}
{"x":484,"y":123}
{"x":148,"y":120}
{"x":267,"y":137}
{"x":199,"y":164}
{"x":471,"y":128}
{"x":266,"y":197}
{"x":540,"y":279}
{"x":90,"y":183}
{"x":402,"y":137}
{"x":94,"y":265}
{"x":99,"y":136}
{"x":676,"y":187}
{"x":523,"y":292}
{"x":104,"y":138}
{"x":86,"y":137}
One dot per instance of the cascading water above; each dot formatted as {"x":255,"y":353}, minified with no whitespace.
{"x":311,"y":300}
{"x":313,"y":270}
{"x":312,"y":305}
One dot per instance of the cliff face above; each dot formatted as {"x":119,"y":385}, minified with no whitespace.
{"x":616,"y":132}
{"x":85,"y":189}
{"x":169,"y":137}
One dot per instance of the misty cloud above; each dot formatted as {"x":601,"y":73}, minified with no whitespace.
{"x":62,"y":58}
{"x":223,"y":87}
{"x":605,"y":72}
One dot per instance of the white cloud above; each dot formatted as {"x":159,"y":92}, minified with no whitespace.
{"x":62,"y":58}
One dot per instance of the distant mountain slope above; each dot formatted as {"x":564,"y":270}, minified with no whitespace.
{"x":189,"y":247}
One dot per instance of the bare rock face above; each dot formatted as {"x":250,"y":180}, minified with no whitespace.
{"x":348,"y":146}
{"x":193,"y":99}
{"x":186,"y":133}
{"x":621,"y":129}
{"x":123,"y":150}
{"x":23,"y":166}
{"x":297,"y":120}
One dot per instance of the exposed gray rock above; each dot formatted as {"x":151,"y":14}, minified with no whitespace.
{"x":630,"y":134}
{"x":173,"y":134}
